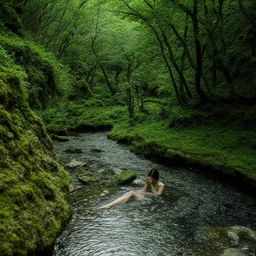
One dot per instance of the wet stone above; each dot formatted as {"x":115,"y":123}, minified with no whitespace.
{"x":116,"y":170}
{"x":74,"y":164}
{"x":233,"y":252}
{"x":138,"y":182}
{"x":236,"y":240}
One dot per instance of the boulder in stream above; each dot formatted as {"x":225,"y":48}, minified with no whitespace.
{"x":74,"y":164}
{"x":125,"y":177}
{"x":73,"y":149}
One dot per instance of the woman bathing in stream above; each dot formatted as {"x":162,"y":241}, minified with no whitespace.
{"x":153,"y":186}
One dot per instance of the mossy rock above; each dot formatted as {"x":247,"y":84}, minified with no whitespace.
{"x":74,"y":150}
{"x":125,"y":177}
{"x":87,"y":180}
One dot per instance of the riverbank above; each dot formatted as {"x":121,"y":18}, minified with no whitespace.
{"x":222,"y":142}
{"x":213,"y":149}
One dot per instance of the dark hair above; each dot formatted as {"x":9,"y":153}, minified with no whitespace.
{"x":154,"y":174}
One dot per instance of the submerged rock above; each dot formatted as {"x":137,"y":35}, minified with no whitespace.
{"x":117,"y":170}
{"x":104,"y":192}
{"x":234,"y":240}
{"x":101,"y":170}
{"x":233,"y":252}
{"x":73,"y":149}
{"x":138,"y":182}
{"x":74,"y":164}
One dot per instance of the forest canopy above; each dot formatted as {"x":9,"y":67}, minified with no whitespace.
{"x":186,"y":52}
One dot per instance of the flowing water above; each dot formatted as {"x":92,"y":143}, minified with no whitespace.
{"x":159,"y":226}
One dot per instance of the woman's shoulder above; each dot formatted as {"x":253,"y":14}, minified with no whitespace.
{"x":160,"y":183}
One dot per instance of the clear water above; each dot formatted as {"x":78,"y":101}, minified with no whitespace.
{"x":158,"y":226}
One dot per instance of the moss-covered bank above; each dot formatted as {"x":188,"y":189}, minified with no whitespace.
{"x":33,"y":186}
{"x":215,"y":149}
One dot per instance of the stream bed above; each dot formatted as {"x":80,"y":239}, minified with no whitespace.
{"x":190,"y":219}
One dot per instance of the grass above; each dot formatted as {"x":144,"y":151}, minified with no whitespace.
{"x":220,"y":146}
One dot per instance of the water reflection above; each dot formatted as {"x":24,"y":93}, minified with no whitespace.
{"x":158,"y":226}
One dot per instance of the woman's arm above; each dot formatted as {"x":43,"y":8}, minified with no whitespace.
{"x":160,"y":190}
{"x":147,"y":185}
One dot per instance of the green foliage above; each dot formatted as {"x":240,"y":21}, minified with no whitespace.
{"x":81,"y":116}
{"x":45,"y":77}
{"x":151,"y":48}
{"x":9,"y":19}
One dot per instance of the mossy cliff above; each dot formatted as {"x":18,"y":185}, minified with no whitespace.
{"x":33,"y":186}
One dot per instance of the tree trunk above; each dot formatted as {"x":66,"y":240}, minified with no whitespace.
{"x":109,"y":85}
{"x":174,"y":63}
{"x":130,"y":102}
{"x":199,"y":57}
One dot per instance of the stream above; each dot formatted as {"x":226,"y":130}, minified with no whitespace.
{"x":161,"y":226}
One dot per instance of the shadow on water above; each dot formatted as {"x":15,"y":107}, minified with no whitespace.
{"x":157,"y":226}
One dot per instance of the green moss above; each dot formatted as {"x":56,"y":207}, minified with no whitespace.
{"x":125,"y":177}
